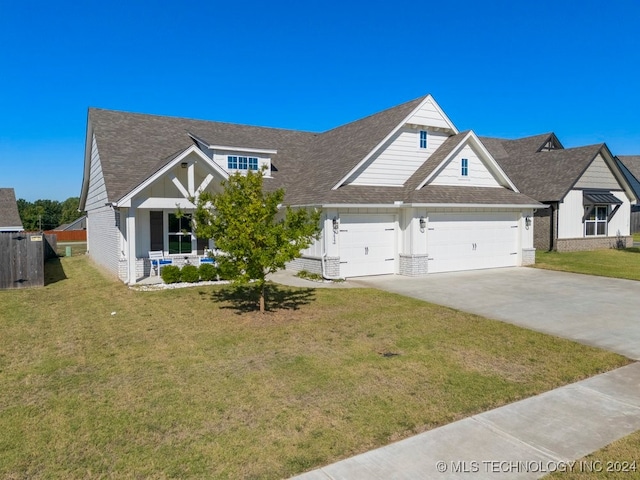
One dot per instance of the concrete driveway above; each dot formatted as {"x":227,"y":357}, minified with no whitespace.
{"x":599,"y":311}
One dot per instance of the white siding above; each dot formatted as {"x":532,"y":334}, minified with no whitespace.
{"x":479,"y":175}
{"x":429,"y":115}
{"x":398,"y":159}
{"x":598,"y":175}
{"x":103,"y":237}
{"x":96,"y":191}
{"x":571,"y":211}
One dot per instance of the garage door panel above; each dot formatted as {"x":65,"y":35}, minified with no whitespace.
{"x":472,"y":241}
{"x":367,"y":245}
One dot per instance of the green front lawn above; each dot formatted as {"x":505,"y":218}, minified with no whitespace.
{"x":97,"y":380}
{"x":619,"y":460}
{"x":606,"y":263}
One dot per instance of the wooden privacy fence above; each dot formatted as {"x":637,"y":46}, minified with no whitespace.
{"x":22,"y":257}
{"x":69,"y":235}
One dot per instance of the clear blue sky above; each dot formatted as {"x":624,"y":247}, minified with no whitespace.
{"x":502,"y":68}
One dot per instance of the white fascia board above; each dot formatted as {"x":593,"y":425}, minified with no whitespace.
{"x":471,"y":138}
{"x":511,"y":206}
{"x":244,"y":149}
{"x":126,"y":200}
{"x":393,"y":132}
{"x":14,"y":228}
{"x":364,"y":205}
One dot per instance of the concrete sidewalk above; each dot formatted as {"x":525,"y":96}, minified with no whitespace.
{"x":525,"y":439}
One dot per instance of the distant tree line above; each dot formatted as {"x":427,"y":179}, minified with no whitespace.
{"x":48,"y":214}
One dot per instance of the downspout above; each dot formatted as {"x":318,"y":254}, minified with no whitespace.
{"x":322,"y":260}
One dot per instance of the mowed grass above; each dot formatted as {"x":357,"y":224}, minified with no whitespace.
{"x":100,"y":381}
{"x":619,"y":460}
{"x":614,"y":263}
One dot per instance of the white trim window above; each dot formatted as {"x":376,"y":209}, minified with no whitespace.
{"x":595,"y":224}
{"x":235,"y":162}
{"x":180,"y":234}
{"x":464,"y":167}
{"x":423,"y":139}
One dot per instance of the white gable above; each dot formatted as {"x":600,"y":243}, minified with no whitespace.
{"x":429,"y":114}
{"x":478,"y":175}
{"x":96,"y":195}
{"x":482,"y":169}
{"x":181,"y":180}
{"x":400,"y":154}
{"x":598,"y":175}
{"x":398,"y":159}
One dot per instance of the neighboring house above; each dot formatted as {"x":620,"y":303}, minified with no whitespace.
{"x":401,"y":191}
{"x":9,"y":217}
{"x":630,"y":166}
{"x":77,"y":224}
{"x":589,"y":197}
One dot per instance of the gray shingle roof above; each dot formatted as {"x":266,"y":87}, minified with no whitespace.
{"x":632,"y":162}
{"x":133,"y":147}
{"x":546,"y":176}
{"x":9,"y":216}
{"x":630,"y":166}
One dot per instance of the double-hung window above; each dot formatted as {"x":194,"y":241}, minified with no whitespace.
{"x":595,"y":222}
{"x":180,"y":233}
{"x":423,"y":139}
{"x":464,"y":167}
{"x":235,"y":162}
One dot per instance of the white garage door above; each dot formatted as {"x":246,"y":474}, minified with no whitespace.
{"x":367,"y":245}
{"x":466,"y":241}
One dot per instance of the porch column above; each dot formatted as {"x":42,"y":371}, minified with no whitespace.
{"x":131,"y":245}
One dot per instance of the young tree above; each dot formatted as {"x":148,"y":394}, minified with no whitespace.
{"x":255,"y":233}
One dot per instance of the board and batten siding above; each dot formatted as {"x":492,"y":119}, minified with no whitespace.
{"x":398,"y":159}
{"x":479,"y":175}
{"x":103,"y":237}
{"x":571,"y":211}
{"x":598,"y":175}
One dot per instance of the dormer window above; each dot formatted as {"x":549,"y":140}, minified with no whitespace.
{"x":235,"y":162}
{"x":423,"y":139}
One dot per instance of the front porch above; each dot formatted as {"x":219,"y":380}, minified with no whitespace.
{"x":146,"y":273}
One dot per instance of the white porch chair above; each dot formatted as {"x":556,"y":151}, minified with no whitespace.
{"x":158,"y":260}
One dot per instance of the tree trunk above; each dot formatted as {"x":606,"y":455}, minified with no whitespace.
{"x":262,"y":290}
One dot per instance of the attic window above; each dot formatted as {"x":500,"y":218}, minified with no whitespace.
{"x":423,"y":139}
{"x":464,"y":167}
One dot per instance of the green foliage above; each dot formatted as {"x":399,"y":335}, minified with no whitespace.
{"x":47,"y":214}
{"x":171,"y":274}
{"x":208,"y":272}
{"x":190,"y":274}
{"x":257,"y":235}
{"x":309,"y":276}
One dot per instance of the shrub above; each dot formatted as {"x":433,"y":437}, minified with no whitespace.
{"x":208,"y":272}
{"x":190,"y":274}
{"x":170,"y":274}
